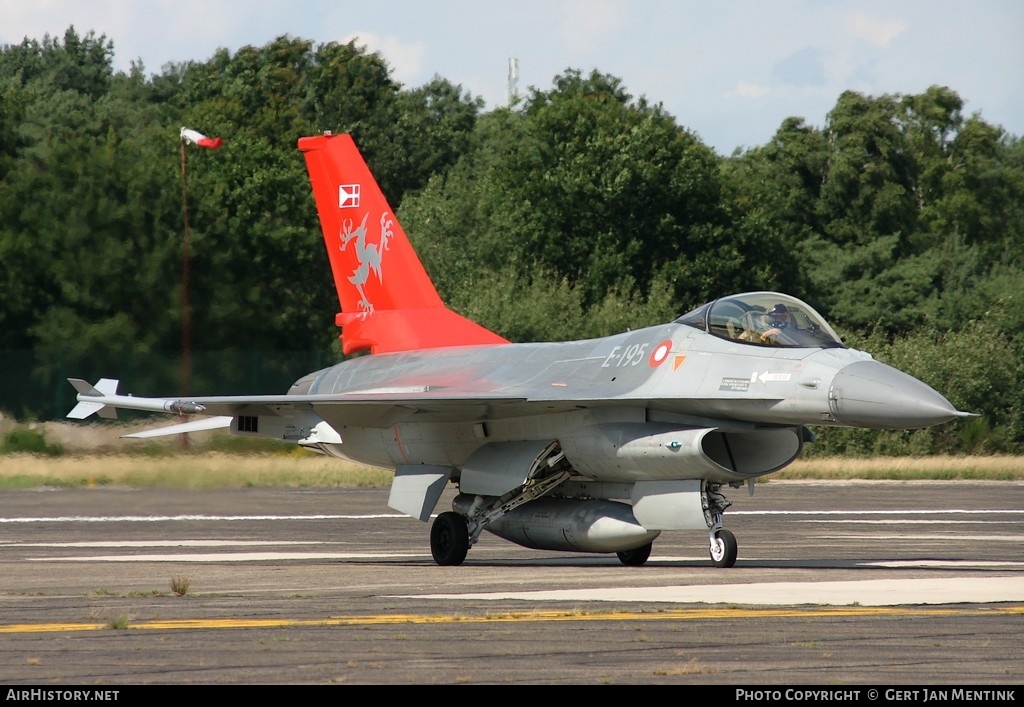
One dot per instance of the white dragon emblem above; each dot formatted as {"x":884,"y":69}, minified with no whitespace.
{"x":368,"y":255}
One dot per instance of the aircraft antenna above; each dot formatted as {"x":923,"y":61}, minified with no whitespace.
{"x":513,"y":81}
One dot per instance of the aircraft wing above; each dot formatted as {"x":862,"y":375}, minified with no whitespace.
{"x":371,"y":408}
{"x":359,"y":406}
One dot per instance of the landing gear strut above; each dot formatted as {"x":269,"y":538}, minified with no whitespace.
{"x":722,"y":542}
{"x":454,"y":532}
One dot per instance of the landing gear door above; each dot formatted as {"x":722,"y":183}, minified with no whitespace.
{"x":669,"y":505}
{"x":495,"y":469}
{"x":416,"y":489}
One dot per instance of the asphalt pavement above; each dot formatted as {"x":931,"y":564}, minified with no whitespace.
{"x":863,"y":584}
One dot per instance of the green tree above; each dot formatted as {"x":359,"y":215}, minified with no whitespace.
{"x":970,"y":367}
{"x":579,"y":211}
{"x":901,"y":192}
{"x":582,"y":191}
{"x":773,"y":194}
{"x":252,"y":220}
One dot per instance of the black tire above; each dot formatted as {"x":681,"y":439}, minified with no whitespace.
{"x":449,"y":539}
{"x":723,"y":554}
{"x":635,"y":557}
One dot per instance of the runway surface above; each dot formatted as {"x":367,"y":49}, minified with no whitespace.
{"x":837,"y":583}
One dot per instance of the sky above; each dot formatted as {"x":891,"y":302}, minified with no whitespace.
{"x":729,"y":70}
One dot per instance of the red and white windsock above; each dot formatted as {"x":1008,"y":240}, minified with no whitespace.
{"x":197,"y":138}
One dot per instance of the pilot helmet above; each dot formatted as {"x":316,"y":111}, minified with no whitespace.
{"x":779,"y":315}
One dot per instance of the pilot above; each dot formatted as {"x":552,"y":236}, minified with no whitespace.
{"x":777,"y":319}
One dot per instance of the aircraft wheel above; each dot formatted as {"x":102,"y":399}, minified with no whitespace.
{"x":723,"y":549}
{"x":449,"y":539}
{"x":635,"y":557}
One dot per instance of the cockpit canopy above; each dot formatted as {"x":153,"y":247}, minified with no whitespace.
{"x":764,"y":319}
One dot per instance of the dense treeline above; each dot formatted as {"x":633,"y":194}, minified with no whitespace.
{"x":575,"y":212}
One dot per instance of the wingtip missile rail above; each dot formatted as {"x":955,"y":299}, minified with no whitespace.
{"x":102,"y":398}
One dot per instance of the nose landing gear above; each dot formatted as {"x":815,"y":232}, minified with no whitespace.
{"x":722,"y":542}
{"x":723,"y":548}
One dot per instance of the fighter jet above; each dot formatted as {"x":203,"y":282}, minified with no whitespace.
{"x":591,"y":446}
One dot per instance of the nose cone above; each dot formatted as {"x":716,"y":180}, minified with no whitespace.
{"x":873,"y":395}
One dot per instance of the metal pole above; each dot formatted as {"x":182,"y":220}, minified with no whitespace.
{"x":186,"y":316}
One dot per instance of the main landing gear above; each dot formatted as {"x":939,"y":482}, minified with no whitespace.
{"x":453,"y":533}
{"x":637,"y":557}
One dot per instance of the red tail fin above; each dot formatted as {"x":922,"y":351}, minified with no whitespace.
{"x":388,"y":302}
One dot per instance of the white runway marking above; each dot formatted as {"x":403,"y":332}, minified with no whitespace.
{"x":879,"y":592}
{"x":325,"y":555}
{"x":898,"y":512}
{"x":904,"y":537}
{"x":946,"y":563}
{"x":231,"y":557}
{"x":946,"y":590}
{"x":176,"y":543}
{"x":164,"y":519}
{"x":370,"y":516}
{"x":930,"y":564}
{"x":891,"y":521}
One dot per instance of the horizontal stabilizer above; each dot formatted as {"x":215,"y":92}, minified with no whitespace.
{"x":209,"y":423}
